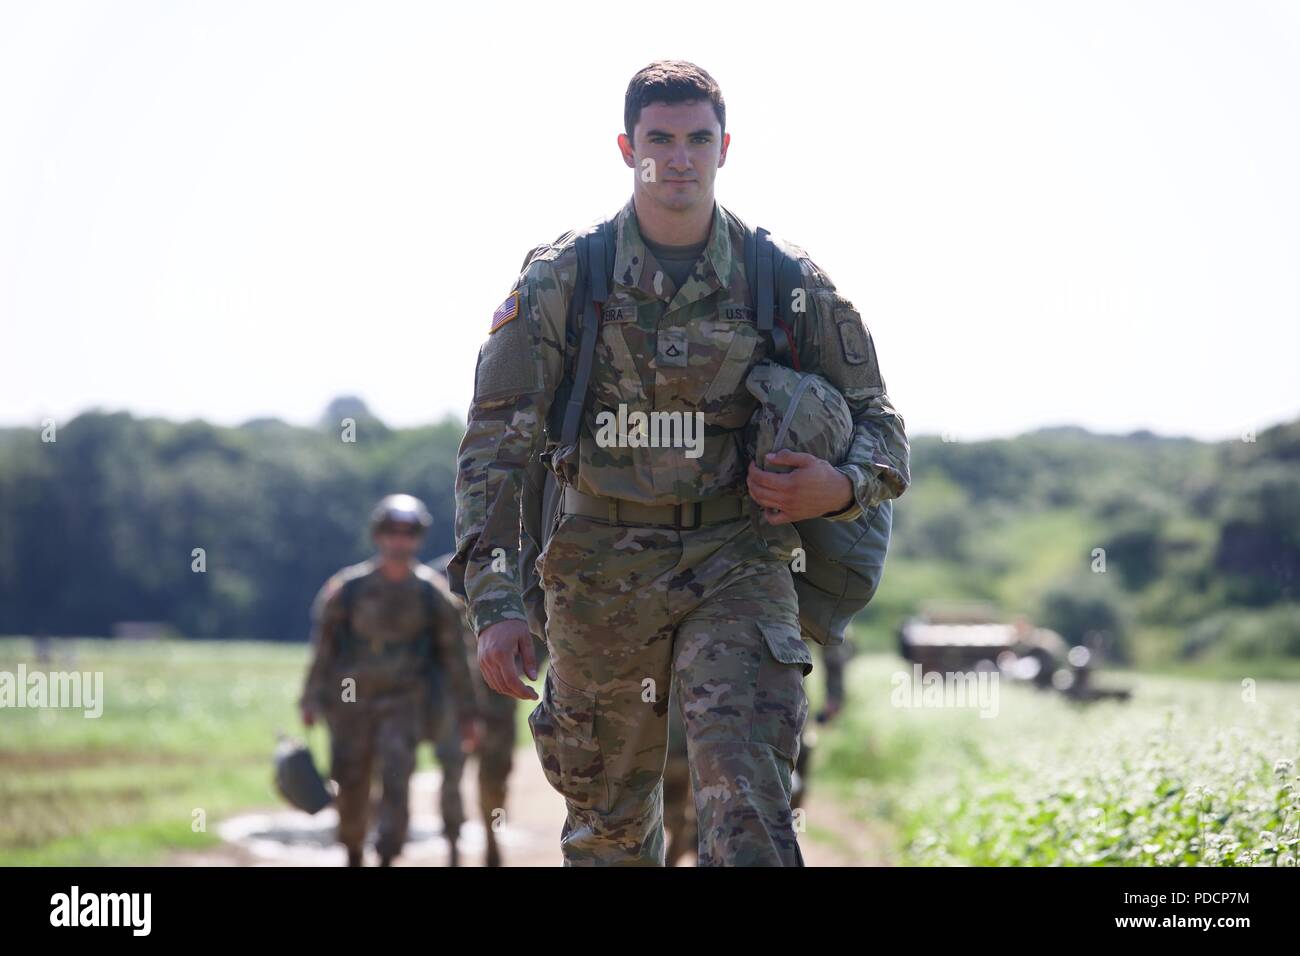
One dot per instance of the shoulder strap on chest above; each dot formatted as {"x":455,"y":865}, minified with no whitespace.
{"x":347,"y":600}
{"x":773,"y":278}
{"x":590,"y":291}
{"x":347,"y":595}
{"x":430,"y":591}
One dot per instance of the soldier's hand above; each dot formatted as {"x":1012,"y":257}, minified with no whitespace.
{"x":813,"y":489}
{"x":501,"y":649}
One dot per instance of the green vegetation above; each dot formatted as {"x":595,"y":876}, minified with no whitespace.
{"x":1178,"y":560}
{"x":1160,"y":552}
{"x":1188,"y":772}
{"x":100,"y":526}
{"x":186,"y":725}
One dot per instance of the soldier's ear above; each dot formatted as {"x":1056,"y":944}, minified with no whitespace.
{"x":626,"y":148}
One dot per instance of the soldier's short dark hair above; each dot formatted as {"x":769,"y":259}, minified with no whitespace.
{"x":671,"y":81}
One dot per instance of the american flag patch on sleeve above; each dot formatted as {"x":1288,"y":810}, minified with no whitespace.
{"x":506,"y":311}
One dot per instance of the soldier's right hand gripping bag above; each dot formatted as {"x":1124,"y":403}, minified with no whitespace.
{"x":842,"y":560}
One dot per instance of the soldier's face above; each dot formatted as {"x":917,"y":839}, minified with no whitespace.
{"x":676,"y":151}
{"x":398,"y":542}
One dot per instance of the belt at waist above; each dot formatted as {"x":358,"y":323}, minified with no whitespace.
{"x":692,"y":514}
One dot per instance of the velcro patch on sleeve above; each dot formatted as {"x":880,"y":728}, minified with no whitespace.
{"x":854,"y":363}
{"x":506,"y":311}
{"x":508,"y":364}
{"x":853,"y":337}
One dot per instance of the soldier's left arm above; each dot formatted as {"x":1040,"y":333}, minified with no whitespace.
{"x":832,"y":340}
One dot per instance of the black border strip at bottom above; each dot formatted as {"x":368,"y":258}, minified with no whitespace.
{"x":233,"y":905}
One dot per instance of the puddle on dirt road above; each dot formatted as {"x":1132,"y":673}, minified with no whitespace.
{"x":528,"y":836}
{"x":291,"y":837}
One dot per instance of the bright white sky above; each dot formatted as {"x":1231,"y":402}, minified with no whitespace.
{"x":1070,"y":213}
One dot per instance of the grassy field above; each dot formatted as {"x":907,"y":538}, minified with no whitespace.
{"x":1187,"y":772}
{"x":185,"y":726}
{"x":1190,"y":771}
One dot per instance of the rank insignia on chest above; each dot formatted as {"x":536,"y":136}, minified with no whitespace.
{"x":672,"y":349}
{"x":506,"y":311}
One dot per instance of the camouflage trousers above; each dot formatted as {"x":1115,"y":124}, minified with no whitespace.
{"x":630,"y":608}
{"x":495,"y":757}
{"x":443,"y":731}
{"x":679,"y":803}
{"x":386,"y":731}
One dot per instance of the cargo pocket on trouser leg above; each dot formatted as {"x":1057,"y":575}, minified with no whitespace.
{"x":563,"y":725}
{"x":780,"y":704}
{"x":743,"y":785}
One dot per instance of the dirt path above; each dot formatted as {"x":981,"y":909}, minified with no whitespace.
{"x":529,"y":836}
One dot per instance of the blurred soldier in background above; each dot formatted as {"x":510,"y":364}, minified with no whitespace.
{"x":386,"y":636}
{"x":495,"y":749}
{"x":679,"y":805}
{"x":444,"y":730}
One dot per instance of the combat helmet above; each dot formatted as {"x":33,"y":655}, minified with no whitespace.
{"x":297,"y":778}
{"x":843,"y":560}
{"x":400,"y":509}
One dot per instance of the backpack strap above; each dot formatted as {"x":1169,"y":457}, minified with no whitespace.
{"x":347,"y":598}
{"x":789,"y":277}
{"x":589,"y":294}
{"x":774,"y":278}
{"x":347,"y":594}
{"x":432,"y":648}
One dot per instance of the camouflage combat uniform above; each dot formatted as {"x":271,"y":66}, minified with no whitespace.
{"x":392,"y":639}
{"x":632,"y":603}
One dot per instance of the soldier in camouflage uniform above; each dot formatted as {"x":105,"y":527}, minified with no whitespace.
{"x":665,"y":562}
{"x":444,"y":730}
{"x":495,"y":752}
{"x":382,"y":630}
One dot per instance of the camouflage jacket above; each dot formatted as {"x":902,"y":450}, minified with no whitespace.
{"x":388,"y":637}
{"x":660,"y":349}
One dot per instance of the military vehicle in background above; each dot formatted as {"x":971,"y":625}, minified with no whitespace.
{"x":958,"y":638}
